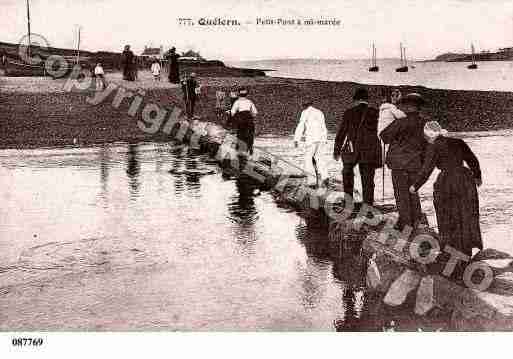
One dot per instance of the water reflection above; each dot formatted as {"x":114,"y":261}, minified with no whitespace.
{"x":314,"y":276}
{"x":352,"y":272}
{"x":104,"y":171}
{"x":192,"y":175}
{"x":132,"y":170}
{"x":176,"y":164}
{"x":243,"y":213}
{"x":242,"y":207}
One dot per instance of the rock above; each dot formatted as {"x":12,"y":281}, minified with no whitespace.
{"x":401,"y":287}
{"x":490,"y":253}
{"x":502,"y":284}
{"x":425,"y":297}
{"x":373,"y":278}
{"x":499,"y":265}
{"x":445,"y":292}
{"x":483,"y":311}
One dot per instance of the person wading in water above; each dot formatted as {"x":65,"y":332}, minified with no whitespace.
{"x":243,"y":113}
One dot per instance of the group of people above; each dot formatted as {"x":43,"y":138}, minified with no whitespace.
{"x":129,"y":66}
{"x":411,"y":146}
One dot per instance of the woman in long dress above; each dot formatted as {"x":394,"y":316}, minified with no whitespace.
{"x":455,"y":194}
{"x":173,"y":70}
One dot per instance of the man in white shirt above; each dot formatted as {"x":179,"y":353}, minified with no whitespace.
{"x":243,"y":113}
{"x":244,"y":104}
{"x":312,"y":128}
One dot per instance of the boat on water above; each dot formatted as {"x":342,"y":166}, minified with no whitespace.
{"x":404,"y":64}
{"x":473,"y":65}
{"x":374,"y":66}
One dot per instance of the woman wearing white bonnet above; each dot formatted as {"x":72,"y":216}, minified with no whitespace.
{"x":432,"y":130}
{"x":455,"y":194}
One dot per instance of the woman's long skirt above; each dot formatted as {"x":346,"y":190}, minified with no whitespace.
{"x":457,"y":210}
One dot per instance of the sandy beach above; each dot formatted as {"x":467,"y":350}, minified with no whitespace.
{"x":37,"y":112}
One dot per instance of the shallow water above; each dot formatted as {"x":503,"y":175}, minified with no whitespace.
{"x":490,"y":76}
{"x":107,"y":238}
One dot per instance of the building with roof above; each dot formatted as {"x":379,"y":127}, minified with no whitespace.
{"x":153,"y":52}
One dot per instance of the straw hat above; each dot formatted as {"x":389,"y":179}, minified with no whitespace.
{"x":432,"y":129}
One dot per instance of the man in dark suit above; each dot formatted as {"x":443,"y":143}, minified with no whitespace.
{"x":360,"y":126}
{"x":189,"y":86}
{"x":405,"y":156}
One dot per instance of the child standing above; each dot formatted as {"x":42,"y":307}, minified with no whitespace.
{"x":99,"y":74}
{"x":155,"y":70}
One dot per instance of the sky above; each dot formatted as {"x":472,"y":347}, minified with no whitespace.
{"x":425,"y":27}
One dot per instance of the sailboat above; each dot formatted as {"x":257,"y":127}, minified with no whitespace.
{"x":472,"y":66}
{"x":15,"y":65}
{"x":404,"y":65}
{"x":374,"y":66}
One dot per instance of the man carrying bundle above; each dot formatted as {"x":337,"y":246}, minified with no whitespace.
{"x":312,"y":128}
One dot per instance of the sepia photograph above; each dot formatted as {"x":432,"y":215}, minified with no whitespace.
{"x":255,"y":166}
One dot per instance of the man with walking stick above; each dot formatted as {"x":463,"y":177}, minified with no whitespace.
{"x":312,"y":128}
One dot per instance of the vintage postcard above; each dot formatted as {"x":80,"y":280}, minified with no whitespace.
{"x":257,"y":166}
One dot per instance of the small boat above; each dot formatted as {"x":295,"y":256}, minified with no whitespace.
{"x":404,"y":65}
{"x":472,"y":66}
{"x":20,"y":69}
{"x":374,"y":66}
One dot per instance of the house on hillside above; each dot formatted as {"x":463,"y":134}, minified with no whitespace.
{"x":506,"y":50}
{"x":153,"y":52}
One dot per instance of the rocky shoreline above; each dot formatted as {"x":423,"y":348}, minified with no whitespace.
{"x":38,"y":112}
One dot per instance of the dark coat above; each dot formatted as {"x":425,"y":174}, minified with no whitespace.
{"x":365,"y":141}
{"x":407,"y":143}
{"x":127,"y":61}
{"x":189,"y":88}
{"x":455,"y":194}
{"x":173,"y":68}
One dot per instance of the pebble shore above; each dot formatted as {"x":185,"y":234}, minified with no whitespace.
{"x":39,"y":112}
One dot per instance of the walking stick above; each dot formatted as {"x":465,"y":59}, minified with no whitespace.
{"x":383,"y":174}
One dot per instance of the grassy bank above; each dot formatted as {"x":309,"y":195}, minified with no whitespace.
{"x":38,"y":112}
